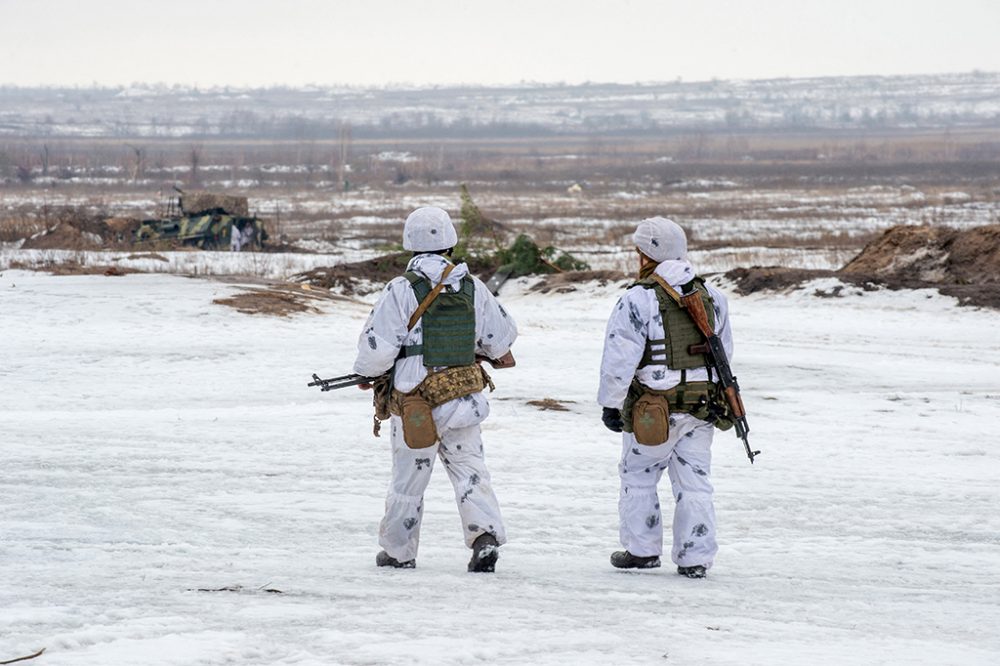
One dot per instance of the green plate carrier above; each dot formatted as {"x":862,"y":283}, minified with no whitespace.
{"x":449,"y":324}
{"x":680,"y":330}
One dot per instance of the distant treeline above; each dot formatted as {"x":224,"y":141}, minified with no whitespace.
{"x":838,"y":103}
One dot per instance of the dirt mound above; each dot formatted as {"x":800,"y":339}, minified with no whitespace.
{"x":934,"y":255}
{"x":64,"y":236}
{"x":772,"y":278}
{"x":562,"y":283}
{"x":974,"y":256}
{"x":345,"y":277}
{"x":962,"y":264}
{"x":77,"y":229}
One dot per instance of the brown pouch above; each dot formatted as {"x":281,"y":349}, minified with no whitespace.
{"x":651,"y":419}
{"x":419,"y":431}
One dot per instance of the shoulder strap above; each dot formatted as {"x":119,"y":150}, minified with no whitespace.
{"x":671,"y":292}
{"x":426,"y":303}
{"x":691,"y":303}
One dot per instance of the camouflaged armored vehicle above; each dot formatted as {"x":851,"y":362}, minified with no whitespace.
{"x":207,"y":221}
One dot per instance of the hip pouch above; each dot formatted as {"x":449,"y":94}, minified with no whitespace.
{"x":419,"y":431}
{"x":651,"y":419}
{"x":414,"y":408}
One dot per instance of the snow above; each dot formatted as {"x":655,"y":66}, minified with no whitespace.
{"x":154,"y":443}
{"x":278,"y":265}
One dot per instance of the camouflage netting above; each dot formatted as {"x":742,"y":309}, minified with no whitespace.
{"x":193,"y":203}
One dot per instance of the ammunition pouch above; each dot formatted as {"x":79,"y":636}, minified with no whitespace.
{"x":414,"y":407}
{"x":702,"y":400}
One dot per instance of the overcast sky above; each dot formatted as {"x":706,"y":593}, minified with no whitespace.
{"x":385,"y":42}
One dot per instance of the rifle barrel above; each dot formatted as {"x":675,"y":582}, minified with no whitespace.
{"x":338,"y":382}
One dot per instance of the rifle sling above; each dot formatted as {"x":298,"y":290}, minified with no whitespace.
{"x":426,"y":303}
{"x":676,"y":298}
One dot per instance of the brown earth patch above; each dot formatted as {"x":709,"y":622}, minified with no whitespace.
{"x":550,"y":404}
{"x":280,"y":300}
{"x":148,"y":255}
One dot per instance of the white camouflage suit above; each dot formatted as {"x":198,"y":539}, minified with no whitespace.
{"x":460,"y":446}
{"x":686,"y":455}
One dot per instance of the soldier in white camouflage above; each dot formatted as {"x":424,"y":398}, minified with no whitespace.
{"x":657,"y":388}
{"x":435,"y":373}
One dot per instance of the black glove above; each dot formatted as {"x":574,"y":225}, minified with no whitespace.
{"x":612,"y":419}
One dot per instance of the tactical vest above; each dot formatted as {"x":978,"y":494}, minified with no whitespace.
{"x":680,"y":330}
{"x":449,"y":324}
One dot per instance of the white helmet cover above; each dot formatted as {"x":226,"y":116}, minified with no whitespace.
{"x":429,"y":229}
{"x":661,"y":239}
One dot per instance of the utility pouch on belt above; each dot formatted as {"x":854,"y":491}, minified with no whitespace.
{"x":419,"y":430}
{"x":643,"y":406}
{"x":414,"y":408}
{"x":651,"y":419}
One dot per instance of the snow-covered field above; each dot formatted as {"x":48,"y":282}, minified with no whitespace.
{"x":281,"y":266}
{"x":154,"y":443}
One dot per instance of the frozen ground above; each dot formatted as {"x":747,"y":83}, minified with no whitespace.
{"x":154,"y":443}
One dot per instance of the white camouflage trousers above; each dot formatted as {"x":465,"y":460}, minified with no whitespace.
{"x":687,"y":457}
{"x":461,"y":452}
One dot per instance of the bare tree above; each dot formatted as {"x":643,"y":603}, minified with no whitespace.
{"x":138,"y":166}
{"x":195,"y":162}
{"x":345,"y":149}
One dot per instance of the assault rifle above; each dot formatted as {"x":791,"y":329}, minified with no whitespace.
{"x":716,"y":355}
{"x":505,"y":361}
{"x":339,"y":382}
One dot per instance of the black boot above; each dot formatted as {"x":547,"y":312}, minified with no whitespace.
{"x":485,"y":552}
{"x":623,"y":559}
{"x":697,"y":571}
{"x":384,"y":559}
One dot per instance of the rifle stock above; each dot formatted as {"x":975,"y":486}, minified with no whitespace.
{"x":502,"y":363}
